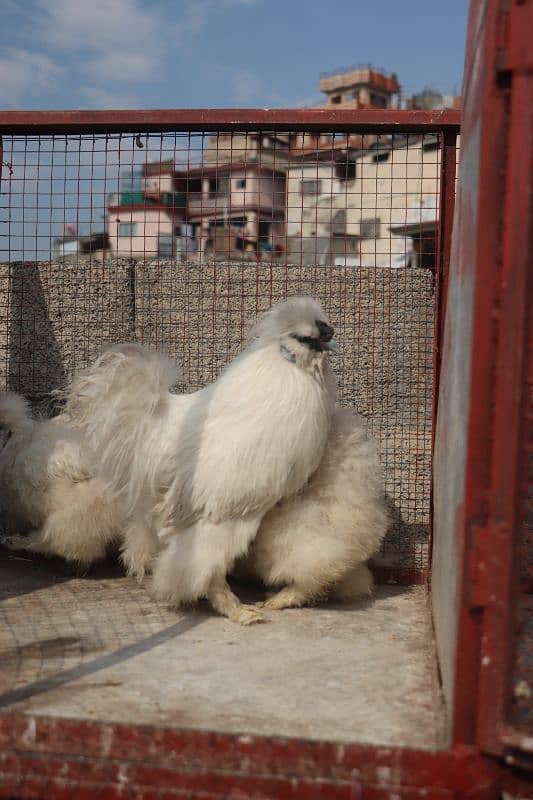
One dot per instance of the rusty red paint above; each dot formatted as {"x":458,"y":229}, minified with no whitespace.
{"x":509,"y":432}
{"x":53,"y":752}
{"x":499,"y":255}
{"x":64,"y":122}
{"x":474,"y":264}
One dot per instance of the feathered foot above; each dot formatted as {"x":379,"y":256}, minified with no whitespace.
{"x":226,"y":603}
{"x":289,"y":597}
{"x":139,"y":549}
{"x":356,"y":583}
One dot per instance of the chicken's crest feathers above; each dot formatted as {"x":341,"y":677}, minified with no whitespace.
{"x":294,"y":315}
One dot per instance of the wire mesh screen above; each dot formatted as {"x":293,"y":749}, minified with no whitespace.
{"x":178,"y":240}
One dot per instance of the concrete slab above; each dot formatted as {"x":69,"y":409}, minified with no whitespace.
{"x":97,"y":647}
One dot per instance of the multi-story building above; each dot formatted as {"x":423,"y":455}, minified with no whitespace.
{"x":313,"y":198}
{"x":220,"y":207}
{"x":237,"y":206}
{"x":147,"y":215}
{"x":368,"y":207}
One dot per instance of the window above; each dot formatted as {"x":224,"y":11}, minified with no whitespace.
{"x":240,"y":183}
{"x":310,"y":186}
{"x":383,"y":156}
{"x":337,"y":98}
{"x":193,"y":186}
{"x":264,"y":229}
{"x":345,"y":169}
{"x":238,"y":222}
{"x":127,"y":229}
{"x":377,"y":100}
{"x":219,"y":185}
{"x":166,"y":245}
{"x":370,"y":228}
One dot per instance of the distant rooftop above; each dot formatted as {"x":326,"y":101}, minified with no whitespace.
{"x":354,"y":68}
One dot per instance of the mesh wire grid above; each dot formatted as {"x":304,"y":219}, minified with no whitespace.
{"x":179,"y":239}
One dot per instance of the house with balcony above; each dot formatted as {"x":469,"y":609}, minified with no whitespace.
{"x":219,"y":209}
{"x":147,"y":216}
{"x":237,"y":207}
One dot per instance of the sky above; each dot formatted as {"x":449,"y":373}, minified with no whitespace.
{"x":217,"y":53}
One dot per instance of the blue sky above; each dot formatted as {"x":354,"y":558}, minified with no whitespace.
{"x":202,"y":53}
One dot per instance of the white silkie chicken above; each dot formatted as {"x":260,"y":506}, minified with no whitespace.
{"x":202,"y":470}
{"x":51,"y":500}
{"x":316,"y":544}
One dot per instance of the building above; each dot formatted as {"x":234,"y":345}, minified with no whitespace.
{"x":313,"y":197}
{"x":237,"y":207}
{"x":147,"y":215}
{"x":360,"y":87}
{"x":267,"y":149}
{"x":374,"y":207}
{"x":428,"y":99}
{"x":219,"y":209}
{"x":72,"y":246}
{"x":316,"y":179}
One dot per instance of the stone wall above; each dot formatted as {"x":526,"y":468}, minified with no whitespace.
{"x":56,"y":317}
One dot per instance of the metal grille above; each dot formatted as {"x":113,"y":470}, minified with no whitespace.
{"x":178,"y":239}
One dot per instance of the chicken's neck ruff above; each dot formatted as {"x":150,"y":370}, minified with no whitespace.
{"x":303,"y":356}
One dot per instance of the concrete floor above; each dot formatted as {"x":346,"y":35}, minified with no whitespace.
{"x":97,"y":647}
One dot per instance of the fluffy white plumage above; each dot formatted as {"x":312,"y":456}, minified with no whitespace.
{"x":48,"y":487}
{"x":317,"y":542}
{"x":206,"y":467}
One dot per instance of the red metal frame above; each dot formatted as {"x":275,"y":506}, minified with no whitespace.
{"x":353,"y":121}
{"x":493,"y":254}
{"x":514,"y":303}
{"x":95,"y":760}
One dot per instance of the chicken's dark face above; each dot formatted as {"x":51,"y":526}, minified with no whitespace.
{"x":320,"y":338}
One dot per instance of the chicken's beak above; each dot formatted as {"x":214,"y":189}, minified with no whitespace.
{"x":331,"y":345}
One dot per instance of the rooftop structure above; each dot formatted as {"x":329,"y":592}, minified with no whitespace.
{"x":359,"y":87}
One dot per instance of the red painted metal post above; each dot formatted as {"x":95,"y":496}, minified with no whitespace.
{"x":498,"y":687}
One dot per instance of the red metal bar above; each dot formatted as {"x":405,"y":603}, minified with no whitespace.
{"x":357,"y":120}
{"x":46,"y":751}
{"x":467,"y":385}
{"x":508,"y":432}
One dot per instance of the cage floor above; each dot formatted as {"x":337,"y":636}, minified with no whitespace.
{"x":97,"y":647}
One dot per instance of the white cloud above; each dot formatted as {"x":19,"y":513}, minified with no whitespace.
{"x":197,"y":13}
{"x":107,"y":47}
{"x":98,"y":24}
{"x":245,"y":86}
{"x":97,"y":97}
{"x":113,"y":66}
{"x":118,"y":40}
{"x":23,"y":72}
